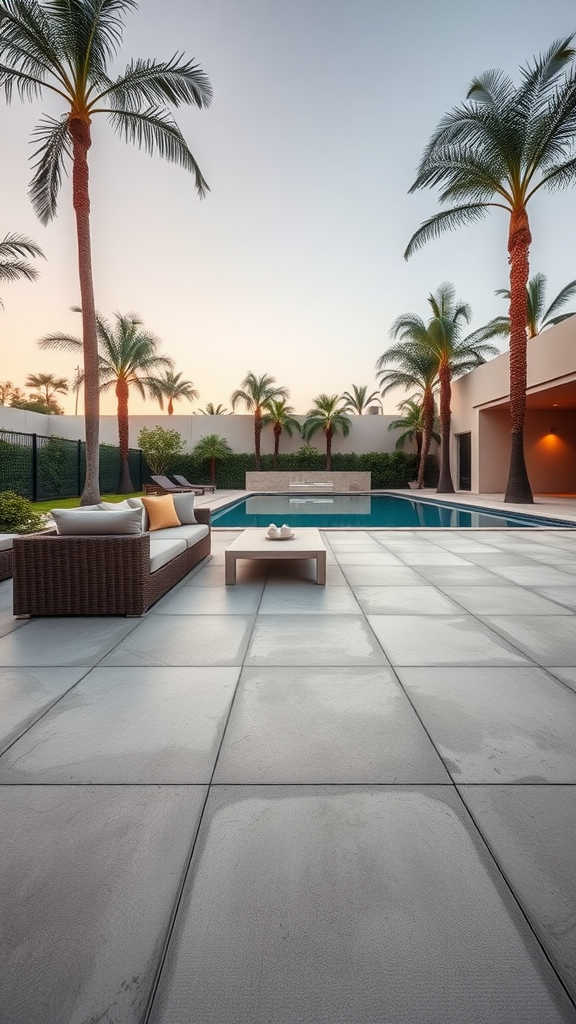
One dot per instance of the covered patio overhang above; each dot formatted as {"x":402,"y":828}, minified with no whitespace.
{"x":549,"y":439}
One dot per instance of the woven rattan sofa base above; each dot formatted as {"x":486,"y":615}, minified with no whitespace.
{"x":104,"y":575}
{"x":5,"y":564}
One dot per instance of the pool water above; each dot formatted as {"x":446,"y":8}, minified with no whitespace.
{"x":365,"y":511}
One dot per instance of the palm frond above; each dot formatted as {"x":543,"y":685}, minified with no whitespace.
{"x":446,"y":220}
{"x":155,"y":131}
{"x":62,"y":342}
{"x":493,"y":88}
{"x":55,"y":144}
{"x":540,"y":77}
{"x":561,"y":299}
{"x":29,"y":48}
{"x":174,"y":81}
{"x":12,"y":267}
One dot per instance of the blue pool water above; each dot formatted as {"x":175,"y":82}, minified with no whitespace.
{"x":365,"y":511}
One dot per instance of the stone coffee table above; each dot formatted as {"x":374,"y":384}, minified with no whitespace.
{"x":305,"y":543}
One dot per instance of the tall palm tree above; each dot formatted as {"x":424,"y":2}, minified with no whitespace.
{"x":214,"y":410}
{"x":452,"y":353}
{"x":329,"y":417}
{"x":412,"y":425}
{"x":46,"y":387}
{"x":212,"y":447}
{"x":65,"y":47}
{"x":14,"y":250}
{"x":281,"y":416}
{"x":358,"y":400}
{"x":127,"y":357}
{"x":538,"y":316}
{"x":170,"y":386}
{"x":256,"y":393}
{"x":415,"y":369}
{"x":496,"y":150}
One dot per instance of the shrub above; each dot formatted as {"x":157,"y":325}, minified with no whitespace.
{"x":388,"y":469}
{"x":18,"y":515}
{"x":160,"y":448}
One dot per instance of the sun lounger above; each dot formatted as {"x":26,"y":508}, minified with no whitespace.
{"x":162,"y":485}
{"x":183,"y":482}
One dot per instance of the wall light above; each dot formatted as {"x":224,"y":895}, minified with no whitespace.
{"x":552,"y":430}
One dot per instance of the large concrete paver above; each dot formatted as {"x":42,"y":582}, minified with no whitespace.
{"x":89,"y":877}
{"x":315,"y":905}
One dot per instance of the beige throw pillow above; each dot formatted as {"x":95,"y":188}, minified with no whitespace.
{"x":161,"y":512}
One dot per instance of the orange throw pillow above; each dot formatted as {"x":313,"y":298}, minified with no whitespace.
{"x":161,"y":512}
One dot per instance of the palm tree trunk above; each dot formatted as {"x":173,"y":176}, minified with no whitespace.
{"x":329,"y":435}
{"x":125,"y":485}
{"x":445,"y":485}
{"x":81,"y":141}
{"x":170,"y":406}
{"x":213,"y":471}
{"x":518,"y":487}
{"x":277,"y":433}
{"x":257,"y":436}
{"x":428,"y":416}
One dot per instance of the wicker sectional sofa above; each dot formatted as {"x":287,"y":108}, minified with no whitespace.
{"x":6,"y":542}
{"x":104,"y":574}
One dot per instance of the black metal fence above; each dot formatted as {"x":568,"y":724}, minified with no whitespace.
{"x":42,"y":468}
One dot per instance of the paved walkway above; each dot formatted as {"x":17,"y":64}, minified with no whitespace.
{"x":286,"y":803}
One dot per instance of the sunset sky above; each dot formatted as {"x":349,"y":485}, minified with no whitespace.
{"x":293,"y":265}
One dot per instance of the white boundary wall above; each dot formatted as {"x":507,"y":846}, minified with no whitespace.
{"x":367,"y":434}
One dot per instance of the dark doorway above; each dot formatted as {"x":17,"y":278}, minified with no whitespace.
{"x":464,"y":462}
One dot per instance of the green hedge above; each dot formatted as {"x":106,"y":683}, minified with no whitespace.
{"x":388,"y":469}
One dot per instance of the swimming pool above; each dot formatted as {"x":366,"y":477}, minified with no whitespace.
{"x":365,"y":511}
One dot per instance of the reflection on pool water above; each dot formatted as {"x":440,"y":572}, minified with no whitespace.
{"x":365,"y":511}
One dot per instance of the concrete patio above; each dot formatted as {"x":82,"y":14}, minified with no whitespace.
{"x":286,"y":803}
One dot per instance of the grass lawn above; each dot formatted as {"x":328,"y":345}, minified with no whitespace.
{"x":46,"y":506}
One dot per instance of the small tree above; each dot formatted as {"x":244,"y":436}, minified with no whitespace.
{"x":327,"y":416}
{"x":160,"y":447}
{"x":357,"y":400}
{"x":212,"y":447}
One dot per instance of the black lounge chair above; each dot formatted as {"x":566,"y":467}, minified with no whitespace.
{"x":183,"y":482}
{"x":165,"y":486}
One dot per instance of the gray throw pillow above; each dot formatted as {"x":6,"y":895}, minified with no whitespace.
{"x":114,"y":506}
{"x":137,"y":503}
{"x":184,"y":505}
{"x":73,"y":522}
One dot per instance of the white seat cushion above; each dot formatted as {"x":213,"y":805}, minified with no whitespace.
{"x":163,"y":551}
{"x":6,"y":540}
{"x":191,"y":534}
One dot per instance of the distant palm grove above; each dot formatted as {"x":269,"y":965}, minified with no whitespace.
{"x":500,"y":146}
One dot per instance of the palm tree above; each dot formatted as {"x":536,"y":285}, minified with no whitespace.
{"x":281,"y":416}
{"x":47,"y":386}
{"x":328,"y":416}
{"x":212,"y":447}
{"x":413,"y":368}
{"x":13,"y":264}
{"x":214,"y":410}
{"x":412,"y":425}
{"x":357,"y":401}
{"x":453,"y":355}
{"x":496,"y":150}
{"x":171,"y":387}
{"x":256,"y":393}
{"x":65,"y":47}
{"x":539,"y":318}
{"x":128,"y":357}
